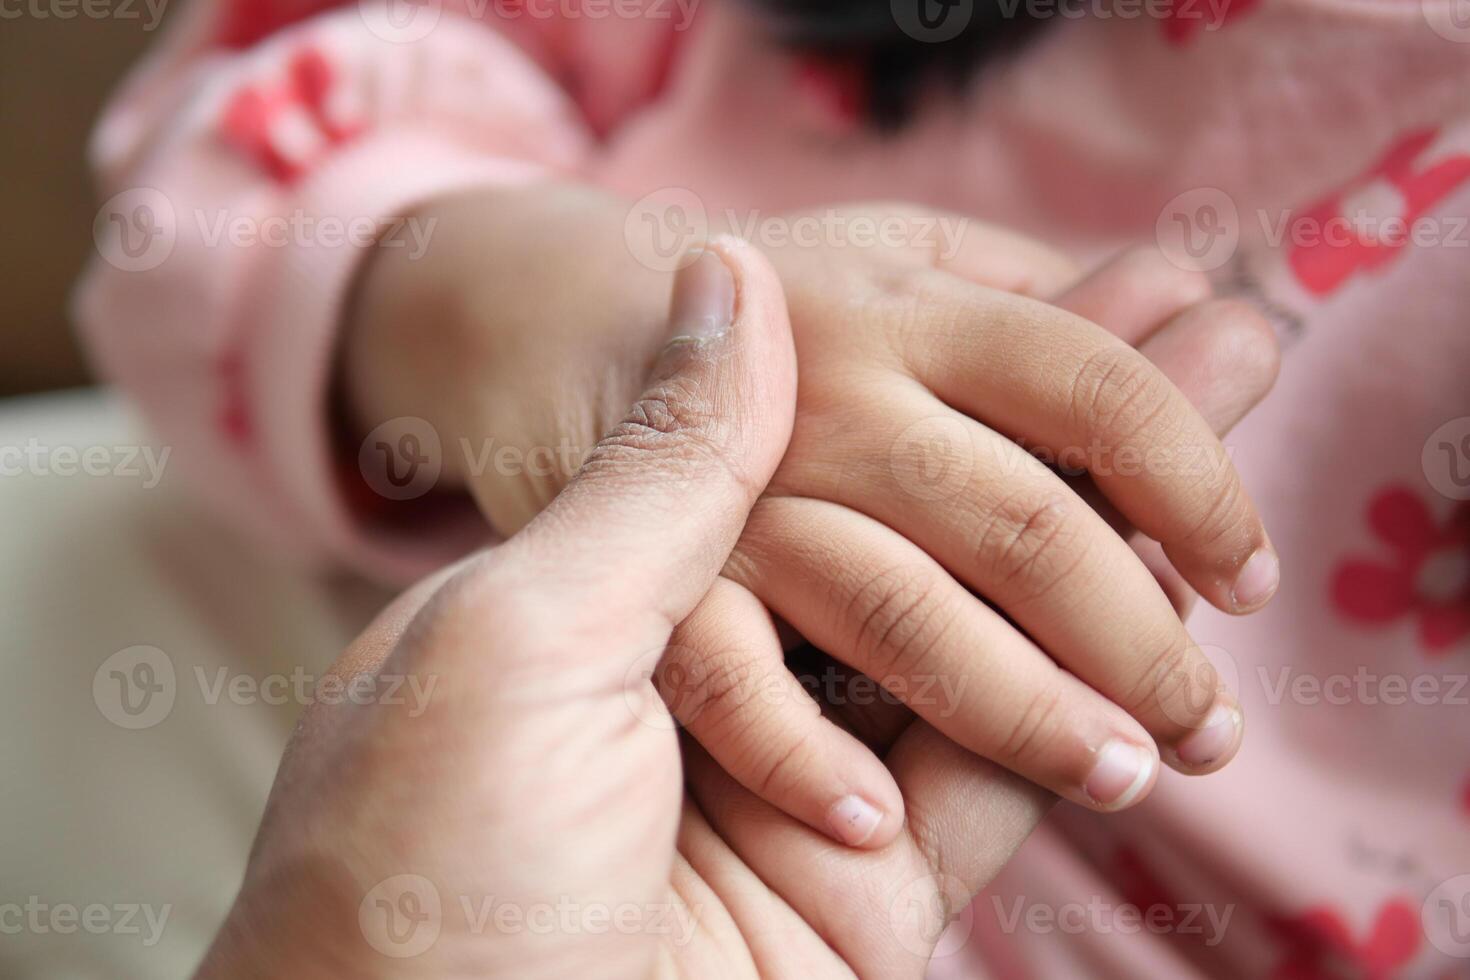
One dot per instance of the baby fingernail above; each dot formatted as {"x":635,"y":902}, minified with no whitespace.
{"x":1257,"y":580}
{"x":853,"y":820}
{"x":703,"y":303}
{"x":1119,"y":774}
{"x":1213,"y":739}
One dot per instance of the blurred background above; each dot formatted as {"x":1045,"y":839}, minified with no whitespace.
{"x":98,"y":814}
{"x":54,"y":75}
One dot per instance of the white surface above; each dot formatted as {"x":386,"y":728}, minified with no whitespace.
{"x":92,"y":813}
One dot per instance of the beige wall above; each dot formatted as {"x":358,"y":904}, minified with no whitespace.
{"x":54,"y":74}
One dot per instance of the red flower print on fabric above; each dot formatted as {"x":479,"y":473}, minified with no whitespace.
{"x":1367,"y":223}
{"x":1426,"y":576}
{"x":1321,"y":946}
{"x":288,"y":126}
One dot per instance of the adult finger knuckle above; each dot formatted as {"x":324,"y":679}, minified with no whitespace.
{"x":1030,"y":544}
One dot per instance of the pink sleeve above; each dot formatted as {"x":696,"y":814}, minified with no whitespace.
{"x":245,"y":176}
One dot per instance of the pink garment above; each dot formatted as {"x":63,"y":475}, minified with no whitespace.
{"x":1347,"y":808}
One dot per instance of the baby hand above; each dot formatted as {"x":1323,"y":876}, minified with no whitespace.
{"x":904,"y":495}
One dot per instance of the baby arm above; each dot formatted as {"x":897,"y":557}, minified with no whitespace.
{"x":250,"y":166}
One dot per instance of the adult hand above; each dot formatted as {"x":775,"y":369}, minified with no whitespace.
{"x":527,"y":778}
{"x":529,"y":818}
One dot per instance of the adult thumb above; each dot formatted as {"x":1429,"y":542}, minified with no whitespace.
{"x":647,"y":522}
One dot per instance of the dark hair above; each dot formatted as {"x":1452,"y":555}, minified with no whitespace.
{"x":895,"y":59}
